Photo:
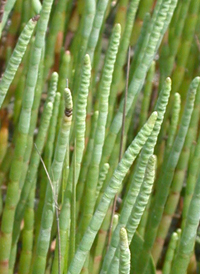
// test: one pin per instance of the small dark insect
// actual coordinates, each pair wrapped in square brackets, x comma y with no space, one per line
[68,112]
[36,18]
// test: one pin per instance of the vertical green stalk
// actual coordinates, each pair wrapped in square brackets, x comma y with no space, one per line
[16,58]
[120,17]
[26,11]
[144,7]
[32,171]
[36,5]
[191,180]
[33,123]
[147,95]
[15,24]
[86,27]
[55,173]
[137,179]
[12,197]
[63,77]
[100,246]
[56,25]
[102,177]
[137,80]
[101,242]
[104,89]
[80,126]
[188,236]
[72,243]
[173,125]
[167,62]
[18,99]
[113,162]
[141,45]
[170,253]
[27,235]
[113,187]
[185,44]
[97,25]
[166,179]
[138,207]
[50,98]
[85,164]
[48,154]
[81,106]
[121,57]
[170,13]
[177,183]
[125,256]
[79,145]
[142,225]
[142,198]
[4,169]
[7,9]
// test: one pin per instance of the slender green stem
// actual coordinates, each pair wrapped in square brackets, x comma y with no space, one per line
[138,207]
[49,205]
[16,58]
[170,254]
[7,9]
[109,194]
[188,236]
[125,256]
[93,172]
[165,181]
[27,235]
